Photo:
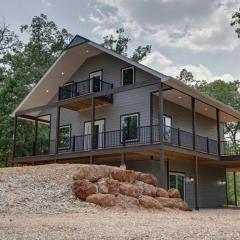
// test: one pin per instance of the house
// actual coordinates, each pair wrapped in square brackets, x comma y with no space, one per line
[103,108]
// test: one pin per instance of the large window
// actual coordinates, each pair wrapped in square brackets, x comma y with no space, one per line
[128,76]
[129,127]
[64,141]
[167,121]
[67,90]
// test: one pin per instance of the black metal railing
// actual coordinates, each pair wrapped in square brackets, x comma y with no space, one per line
[230,148]
[75,89]
[119,138]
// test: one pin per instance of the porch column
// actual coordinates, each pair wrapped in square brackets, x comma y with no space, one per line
[163,183]
[35,137]
[57,128]
[235,188]
[193,123]
[14,136]
[92,127]
[196,182]
[218,132]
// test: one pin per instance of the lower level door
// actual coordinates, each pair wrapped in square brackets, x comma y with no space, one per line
[98,135]
[177,180]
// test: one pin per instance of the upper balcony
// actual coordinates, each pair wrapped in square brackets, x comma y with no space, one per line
[82,88]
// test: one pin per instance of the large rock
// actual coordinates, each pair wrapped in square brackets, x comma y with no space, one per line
[129,190]
[147,178]
[104,200]
[174,193]
[146,189]
[126,201]
[162,193]
[124,175]
[92,172]
[83,188]
[149,202]
[108,185]
[172,203]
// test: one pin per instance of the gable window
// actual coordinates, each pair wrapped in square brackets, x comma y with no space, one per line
[64,141]
[128,76]
[129,127]
[67,90]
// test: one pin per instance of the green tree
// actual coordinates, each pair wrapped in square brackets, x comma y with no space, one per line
[186,77]
[119,44]
[236,22]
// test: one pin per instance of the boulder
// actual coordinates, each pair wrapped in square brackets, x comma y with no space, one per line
[146,189]
[174,193]
[83,188]
[126,201]
[173,203]
[147,178]
[108,185]
[104,200]
[129,190]
[149,202]
[162,193]
[124,175]
[92,172]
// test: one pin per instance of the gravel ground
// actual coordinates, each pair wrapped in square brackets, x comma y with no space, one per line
[37,203]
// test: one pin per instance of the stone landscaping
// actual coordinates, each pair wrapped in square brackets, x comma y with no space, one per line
[111,186]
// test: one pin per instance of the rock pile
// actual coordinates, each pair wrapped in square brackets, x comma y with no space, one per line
[111,186]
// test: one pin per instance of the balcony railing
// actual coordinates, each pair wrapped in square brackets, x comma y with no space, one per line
[75,89]
[230,148]
[146,135]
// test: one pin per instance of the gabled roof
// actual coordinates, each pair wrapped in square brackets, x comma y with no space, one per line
[76,52]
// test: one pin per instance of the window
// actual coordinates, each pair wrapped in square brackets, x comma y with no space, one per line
[128,76]
[96,81]
[177,180]
[64,141]
[129,127]
[167,121]
[67,90]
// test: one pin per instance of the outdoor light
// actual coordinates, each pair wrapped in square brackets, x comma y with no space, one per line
[205,109]
[222,182]
[190,179]
[47,91]
[62,73]
[87,51]
[179,97]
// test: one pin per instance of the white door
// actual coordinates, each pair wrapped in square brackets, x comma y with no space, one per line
[95,81]
[177,180]
[98,135]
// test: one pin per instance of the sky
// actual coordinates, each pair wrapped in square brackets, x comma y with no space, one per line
[191,34]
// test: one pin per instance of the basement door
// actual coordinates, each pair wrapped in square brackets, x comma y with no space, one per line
[177,180]
[98,135]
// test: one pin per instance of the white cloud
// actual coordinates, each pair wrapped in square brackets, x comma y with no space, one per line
[192,24]
[47,3]
[82,19]
[163,64]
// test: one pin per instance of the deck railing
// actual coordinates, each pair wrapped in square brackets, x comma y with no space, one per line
[230,148]
[74,89]
[118,138]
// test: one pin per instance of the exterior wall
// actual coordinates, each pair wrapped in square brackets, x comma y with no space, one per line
[211,193]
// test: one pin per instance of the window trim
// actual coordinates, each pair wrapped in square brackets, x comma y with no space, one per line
[91,85]
[70,136]
[138,126]
[125,68]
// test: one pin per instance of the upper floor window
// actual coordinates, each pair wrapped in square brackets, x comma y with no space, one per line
[129,127]
[64,141]
[67,90]
[128,76]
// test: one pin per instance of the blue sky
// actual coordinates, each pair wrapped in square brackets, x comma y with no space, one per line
[194,34]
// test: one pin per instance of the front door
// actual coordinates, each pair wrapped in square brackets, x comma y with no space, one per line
[95,81]
[177,180]
[98,135]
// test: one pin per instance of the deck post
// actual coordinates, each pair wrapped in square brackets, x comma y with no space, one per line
[193,123]
[151,118]
[218,132]
[196,183]
[14,136]
[162,181]
[57,129]
[92,127]
[235,188]
[34,152]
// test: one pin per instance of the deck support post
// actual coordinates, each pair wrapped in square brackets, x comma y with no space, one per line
[151,118]
[193,123]
[162,182]
[92,127]
[235,188]
[196,183]
[218,132]
[34,152]
[57,129]
[14,136]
